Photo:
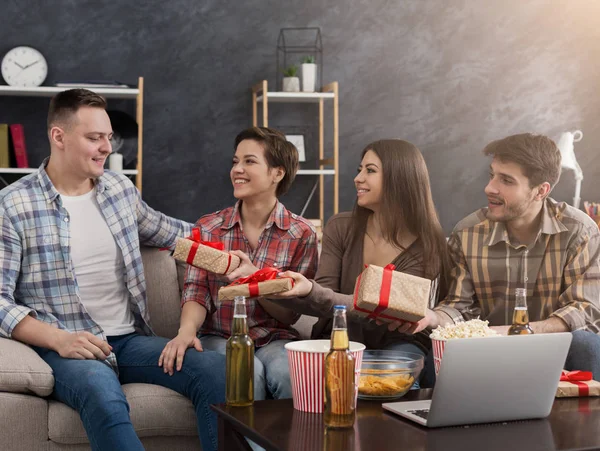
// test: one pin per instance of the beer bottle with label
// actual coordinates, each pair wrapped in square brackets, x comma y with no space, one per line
[340,396]
[239,382]
[520,325]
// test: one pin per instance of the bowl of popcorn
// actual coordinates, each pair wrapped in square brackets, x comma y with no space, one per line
[388,375]
[467,329]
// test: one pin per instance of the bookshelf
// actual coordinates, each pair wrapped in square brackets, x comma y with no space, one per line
[30,170]
[136,94]
[262,96]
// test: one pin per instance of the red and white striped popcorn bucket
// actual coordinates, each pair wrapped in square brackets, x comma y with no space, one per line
[306,359]
[438,352]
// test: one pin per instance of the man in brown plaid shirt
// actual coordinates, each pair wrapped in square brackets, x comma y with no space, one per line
[524,239]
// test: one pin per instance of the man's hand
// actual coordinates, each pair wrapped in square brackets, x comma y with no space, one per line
[405,327]
[302,286]
[245,269]
[81,346]
[174,351]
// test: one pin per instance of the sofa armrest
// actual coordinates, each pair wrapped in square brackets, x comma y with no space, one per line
[22,370]
[304,326]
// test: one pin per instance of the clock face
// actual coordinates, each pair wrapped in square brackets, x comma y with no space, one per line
[24,66]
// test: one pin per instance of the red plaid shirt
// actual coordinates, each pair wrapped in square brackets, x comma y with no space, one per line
[289,242]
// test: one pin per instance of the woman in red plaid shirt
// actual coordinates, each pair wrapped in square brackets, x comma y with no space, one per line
[263,233]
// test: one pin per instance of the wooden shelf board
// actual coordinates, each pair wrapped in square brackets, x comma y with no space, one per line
[316,172]
[49,91]
[30,170]
[300,97]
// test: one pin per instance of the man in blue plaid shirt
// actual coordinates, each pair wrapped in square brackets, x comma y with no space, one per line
[72,283]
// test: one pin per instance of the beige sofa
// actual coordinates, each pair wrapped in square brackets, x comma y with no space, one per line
[162,418]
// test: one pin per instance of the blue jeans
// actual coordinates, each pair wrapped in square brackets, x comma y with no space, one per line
[271,370]
[94,389]
[405,346]
[584,353]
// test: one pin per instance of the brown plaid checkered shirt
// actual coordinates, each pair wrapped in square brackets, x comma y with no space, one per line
[289,242]
[562,266]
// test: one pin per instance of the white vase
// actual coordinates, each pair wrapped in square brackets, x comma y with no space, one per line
[291,84]
[115,162]
[309,75]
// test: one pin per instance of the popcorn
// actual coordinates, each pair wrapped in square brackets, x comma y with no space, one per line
[467,329]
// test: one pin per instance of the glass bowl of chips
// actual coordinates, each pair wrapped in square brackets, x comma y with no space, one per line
[386,375]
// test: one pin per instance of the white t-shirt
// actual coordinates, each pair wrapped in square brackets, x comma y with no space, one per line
[98,265]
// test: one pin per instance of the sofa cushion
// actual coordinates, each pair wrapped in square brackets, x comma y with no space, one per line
[22,370]
[24,420]
[304,326]
[162,288]
[155,411]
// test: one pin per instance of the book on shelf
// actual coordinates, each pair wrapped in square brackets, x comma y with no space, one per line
[92,84]
[4,154]
[18,140]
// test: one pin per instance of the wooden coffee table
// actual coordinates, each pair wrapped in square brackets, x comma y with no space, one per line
[574,424]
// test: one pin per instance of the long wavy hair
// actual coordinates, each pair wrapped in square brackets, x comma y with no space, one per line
[408,204]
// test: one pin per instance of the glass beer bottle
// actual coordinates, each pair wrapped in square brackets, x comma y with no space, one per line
[520,325]
[239,382]
[338,439]
[340,399]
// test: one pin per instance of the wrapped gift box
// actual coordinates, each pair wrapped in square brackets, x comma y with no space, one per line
[577,383]
[206,255]
[390,295]
[261,283]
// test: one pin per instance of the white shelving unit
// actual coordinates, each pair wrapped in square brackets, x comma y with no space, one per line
[49,91]
[297,97]
[30,170]
[262,96]
[136,94]
[315,172]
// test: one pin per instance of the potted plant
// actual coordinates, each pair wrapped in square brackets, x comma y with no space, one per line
[309,73]
[291,82]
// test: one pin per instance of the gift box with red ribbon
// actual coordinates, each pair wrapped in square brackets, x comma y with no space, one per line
[207,255]
[261,283]
[388,295]
[577,383]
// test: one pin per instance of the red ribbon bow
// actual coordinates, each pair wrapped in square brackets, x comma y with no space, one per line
[577,378]
[196,237]
[384,294]
[252,280]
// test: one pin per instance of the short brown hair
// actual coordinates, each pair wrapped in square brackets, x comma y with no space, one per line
[538,156]
[65,104]
[279,152]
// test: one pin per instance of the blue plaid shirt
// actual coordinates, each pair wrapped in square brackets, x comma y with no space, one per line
[37,275]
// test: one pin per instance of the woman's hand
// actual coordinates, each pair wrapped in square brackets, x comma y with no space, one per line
[302,286]
[407,327]
[245,269]
[174,351]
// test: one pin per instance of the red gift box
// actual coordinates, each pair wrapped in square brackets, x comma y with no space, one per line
[208,255]
[577,383]
[388,295]
[262,282]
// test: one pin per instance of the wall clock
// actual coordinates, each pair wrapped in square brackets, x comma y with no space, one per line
[24,67]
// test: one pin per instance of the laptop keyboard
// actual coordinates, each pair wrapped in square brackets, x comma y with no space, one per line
[423,413]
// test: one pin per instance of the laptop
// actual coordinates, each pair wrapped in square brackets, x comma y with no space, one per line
[491,379]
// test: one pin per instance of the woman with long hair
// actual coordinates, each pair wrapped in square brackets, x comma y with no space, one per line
[394,221]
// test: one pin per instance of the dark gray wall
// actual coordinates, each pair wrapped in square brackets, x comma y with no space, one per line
[448,76]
